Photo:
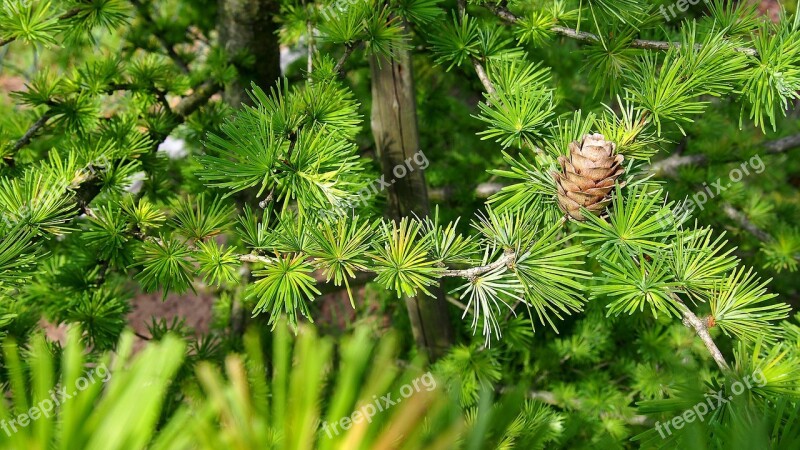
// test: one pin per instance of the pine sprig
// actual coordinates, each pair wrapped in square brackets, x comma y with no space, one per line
[635,225]
[741,306]
[401,259]
[636,284]
[198,221]
[552,282]
[284,286]
[217,264]
[340,250]
[486,292]
[166,265]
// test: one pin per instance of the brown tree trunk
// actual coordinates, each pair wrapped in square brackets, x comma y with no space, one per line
[394,125]
[247,27]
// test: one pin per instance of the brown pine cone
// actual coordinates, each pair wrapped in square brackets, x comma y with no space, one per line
[588,176]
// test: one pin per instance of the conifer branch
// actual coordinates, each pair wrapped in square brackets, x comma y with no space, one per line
[482,75]
[67,15]
[700,327]
[253,258]
[741,219]
[550,398]
[248,257]
[668,166]
[26,138]
[173,55]
[508,259]
[783,144]
[348,50]
[508,17]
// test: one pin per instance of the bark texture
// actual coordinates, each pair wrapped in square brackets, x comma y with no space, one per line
[247,27]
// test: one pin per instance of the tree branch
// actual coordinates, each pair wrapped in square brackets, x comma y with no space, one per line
[508,259]
[482,75]
[348,50]
[740,218]
[26,138]
[701,328]
[196,99]
[668,166]
[69,14]
[509,17]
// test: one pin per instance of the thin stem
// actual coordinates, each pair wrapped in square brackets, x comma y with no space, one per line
[508,259]
[476,63]
[740,218]
[483,76]
[700,327]
[348,50]
[196,99]
[310,62]
[508,17]
[26,138]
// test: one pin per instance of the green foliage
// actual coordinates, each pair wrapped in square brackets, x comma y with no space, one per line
[341,251]
[740,307]
[124,169]
[165,265]
[401,263]
[284,283]
[217,264]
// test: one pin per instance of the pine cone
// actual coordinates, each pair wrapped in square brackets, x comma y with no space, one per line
[587,178]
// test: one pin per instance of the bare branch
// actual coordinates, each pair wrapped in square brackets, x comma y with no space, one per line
[740,218]
[196,99]
[783,144]
[26,138]
[484,77]
[701,328]
[668,166]
[348,50]
[251,258]
[508,259]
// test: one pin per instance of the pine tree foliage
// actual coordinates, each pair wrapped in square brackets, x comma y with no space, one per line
[246,403]
[276,198]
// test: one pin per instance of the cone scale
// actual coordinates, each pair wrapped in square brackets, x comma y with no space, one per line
[587,176]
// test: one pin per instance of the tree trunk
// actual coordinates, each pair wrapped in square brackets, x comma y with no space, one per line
[247,27]
[394,125]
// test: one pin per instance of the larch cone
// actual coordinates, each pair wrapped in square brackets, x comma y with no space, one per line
[587,176]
